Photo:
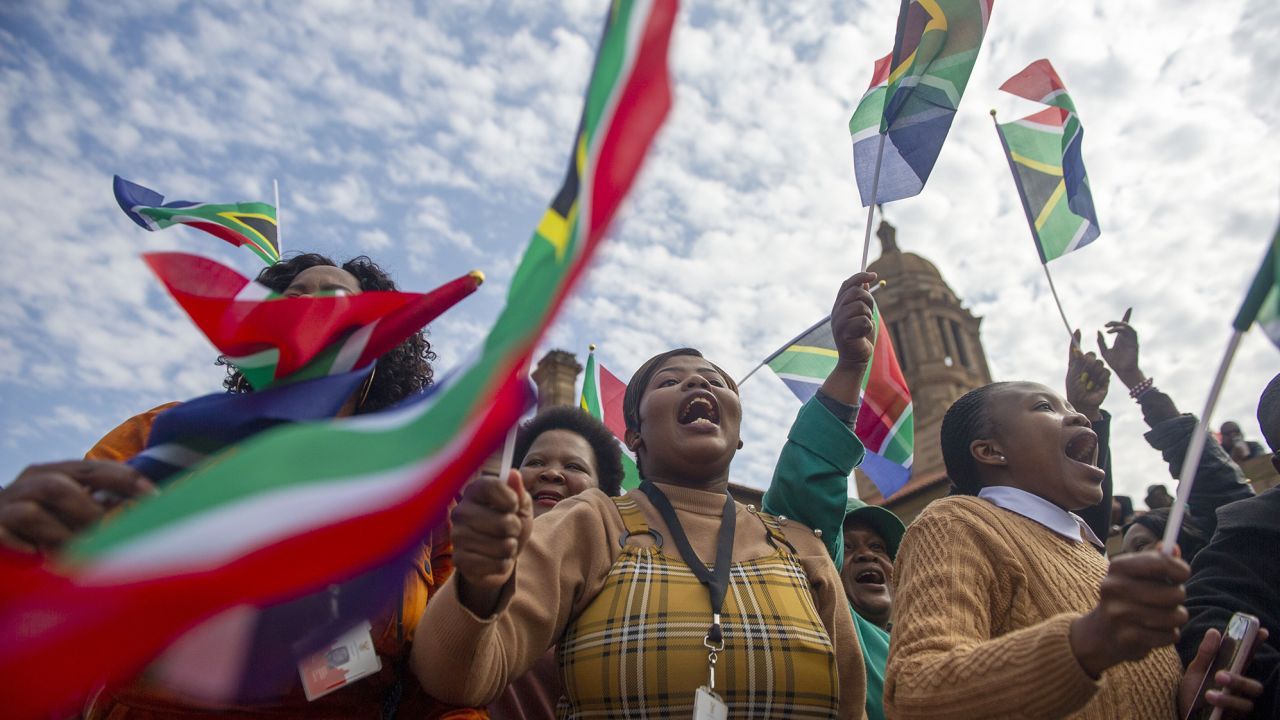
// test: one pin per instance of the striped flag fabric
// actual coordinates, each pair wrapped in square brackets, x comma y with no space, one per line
[885,422]
[1262,302]
[247,224]
[270,338]
[294,509]
[602,394]
[902,121]
[1044,154]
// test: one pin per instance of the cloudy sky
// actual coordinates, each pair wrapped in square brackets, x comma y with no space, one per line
[431,136]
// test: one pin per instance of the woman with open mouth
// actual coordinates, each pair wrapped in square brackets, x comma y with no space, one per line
[1006,608]
[669,598]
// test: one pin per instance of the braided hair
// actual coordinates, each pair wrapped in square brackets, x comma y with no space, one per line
[967,419]
[402,371]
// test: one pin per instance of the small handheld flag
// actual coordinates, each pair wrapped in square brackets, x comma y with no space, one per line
[246,224]
[270,338]
[1261,304]
[885,418]
[1044,154]
[602,394]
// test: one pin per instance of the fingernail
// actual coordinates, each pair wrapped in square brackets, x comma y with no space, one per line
[1223,677]
[1212,695]
[145,487]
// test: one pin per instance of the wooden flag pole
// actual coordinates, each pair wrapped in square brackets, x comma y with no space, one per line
[1195,449]
[1057,301]
[871,208]
[279,236]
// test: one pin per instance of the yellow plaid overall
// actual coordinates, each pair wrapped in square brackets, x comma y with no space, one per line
[636,650]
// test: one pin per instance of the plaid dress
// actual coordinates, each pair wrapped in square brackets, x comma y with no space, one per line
[636,650]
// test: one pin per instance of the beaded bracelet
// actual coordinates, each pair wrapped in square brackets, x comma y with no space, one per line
[1142,388]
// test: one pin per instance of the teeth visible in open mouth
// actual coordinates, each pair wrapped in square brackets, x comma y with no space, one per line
[870,576]
[700,410]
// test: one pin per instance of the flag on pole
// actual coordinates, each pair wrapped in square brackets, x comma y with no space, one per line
[1262,303]
[602,394]
[246,224]
[294,509]
[270,338]
[1044,153]
[885,422]
[903,119]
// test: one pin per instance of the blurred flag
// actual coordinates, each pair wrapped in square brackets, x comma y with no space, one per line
[1262,303]
[903,118]
[270,338]
[247,224]
[602,394]
[885,422]
[1044,153]
[295,509]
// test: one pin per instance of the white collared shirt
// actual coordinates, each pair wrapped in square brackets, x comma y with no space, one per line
[1035,508]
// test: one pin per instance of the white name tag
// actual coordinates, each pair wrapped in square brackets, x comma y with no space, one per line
[707,705]
[350,658]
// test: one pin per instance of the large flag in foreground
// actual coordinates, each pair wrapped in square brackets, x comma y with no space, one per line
[246,224]
[1262,303]
[295,509]
[885,422]
[269,337]
[1044,153]
[903,119]
[602,394]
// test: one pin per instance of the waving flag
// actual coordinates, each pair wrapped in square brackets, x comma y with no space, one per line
[270,338]
[1262,303]
[1044,153]
[902,120]
[297,508]
[885,419]
[247,224]
[602,394]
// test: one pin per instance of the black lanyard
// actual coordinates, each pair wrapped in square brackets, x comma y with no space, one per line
[717,582]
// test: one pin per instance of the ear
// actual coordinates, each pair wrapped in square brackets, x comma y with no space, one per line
[988,452]
[632,440]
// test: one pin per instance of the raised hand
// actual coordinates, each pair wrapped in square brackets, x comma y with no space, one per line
[1087,380]
[491,524]
[1140,608]
[853,329]
[1122,356]
[47,505]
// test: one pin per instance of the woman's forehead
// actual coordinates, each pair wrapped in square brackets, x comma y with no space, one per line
[326,274]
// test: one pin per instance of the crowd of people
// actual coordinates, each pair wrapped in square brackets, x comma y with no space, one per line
[551,592]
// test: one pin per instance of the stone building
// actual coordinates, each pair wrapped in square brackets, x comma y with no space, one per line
[940,351]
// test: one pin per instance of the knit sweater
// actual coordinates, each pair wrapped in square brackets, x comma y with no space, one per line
[982,618]
[468,660]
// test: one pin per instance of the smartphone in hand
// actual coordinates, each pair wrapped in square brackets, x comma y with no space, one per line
[1234,654]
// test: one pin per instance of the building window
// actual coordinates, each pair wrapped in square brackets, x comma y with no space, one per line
[961,355]
[899,340]
[944,335]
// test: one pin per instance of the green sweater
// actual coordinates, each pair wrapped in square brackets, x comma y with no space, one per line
[810,485]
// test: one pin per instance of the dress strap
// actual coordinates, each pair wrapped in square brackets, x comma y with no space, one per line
[777,537]
[633,520]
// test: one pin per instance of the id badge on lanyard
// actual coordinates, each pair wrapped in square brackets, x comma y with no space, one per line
[707,704]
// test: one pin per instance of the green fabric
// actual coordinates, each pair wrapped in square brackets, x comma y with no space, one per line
[811,485]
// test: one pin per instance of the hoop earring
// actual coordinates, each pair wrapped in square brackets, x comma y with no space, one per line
[364,393]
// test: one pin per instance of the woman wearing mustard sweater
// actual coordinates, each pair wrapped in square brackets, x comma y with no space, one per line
[1005,608]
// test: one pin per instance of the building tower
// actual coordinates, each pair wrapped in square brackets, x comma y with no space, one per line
[941,354]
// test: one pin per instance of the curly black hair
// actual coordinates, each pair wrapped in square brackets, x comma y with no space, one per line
[966,420]
[576,420]
[402,371]
[1269,413]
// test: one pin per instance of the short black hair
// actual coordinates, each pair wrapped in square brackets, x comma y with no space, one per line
[966,420]
[1269,413]
[640,380]
[400,372]
[576,420]
[1191,536]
